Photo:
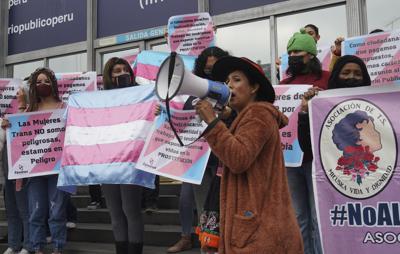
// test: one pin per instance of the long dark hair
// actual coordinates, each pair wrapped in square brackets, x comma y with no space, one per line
[201,60]
[107,77]
[313,66]
[34,99]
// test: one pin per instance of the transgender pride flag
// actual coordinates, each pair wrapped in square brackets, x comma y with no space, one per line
[105,134]
[148,63]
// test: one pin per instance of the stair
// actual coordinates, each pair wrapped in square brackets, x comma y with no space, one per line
[93,233]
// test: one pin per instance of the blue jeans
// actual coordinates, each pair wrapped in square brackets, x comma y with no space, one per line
[17,216]
[302,193]
[46,201]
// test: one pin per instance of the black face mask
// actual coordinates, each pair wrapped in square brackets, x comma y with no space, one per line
[352,82]
[123,80]
[296,64]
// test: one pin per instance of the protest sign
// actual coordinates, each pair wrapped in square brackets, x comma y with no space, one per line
[380,52]
[324,56]
[8,95]
[190,34]
[355,134]
[288,100]
[35,143]
[105,134]
[163,155]
[69,83]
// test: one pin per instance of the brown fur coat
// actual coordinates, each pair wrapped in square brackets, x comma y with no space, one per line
[256,211]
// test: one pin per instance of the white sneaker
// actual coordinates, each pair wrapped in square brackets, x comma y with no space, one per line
[9,251]
[24,251]
[71,225]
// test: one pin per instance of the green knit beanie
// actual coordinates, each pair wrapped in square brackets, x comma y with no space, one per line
[302,41]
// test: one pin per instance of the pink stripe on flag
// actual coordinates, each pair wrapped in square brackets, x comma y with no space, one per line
[17,141]
[102,153]
[178,168]
[147,71]
[40,167]
[89,117]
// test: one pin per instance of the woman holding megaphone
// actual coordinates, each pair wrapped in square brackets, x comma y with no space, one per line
[255,209]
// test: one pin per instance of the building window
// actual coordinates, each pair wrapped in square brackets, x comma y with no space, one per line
[126,54]
[330,21]
[251,40]
[70,63]
[23,70]
[383,14]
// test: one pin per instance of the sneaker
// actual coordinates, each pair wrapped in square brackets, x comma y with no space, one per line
[93,205]
[185,243]
[24,251]
[71,225]
[151,209]
[10,251]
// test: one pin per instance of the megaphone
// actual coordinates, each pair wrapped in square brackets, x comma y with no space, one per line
[184,82]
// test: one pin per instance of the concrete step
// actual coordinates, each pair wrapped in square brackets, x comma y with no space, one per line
[159,217]
[155,235]
[164,201]
[103,248]
[166,188]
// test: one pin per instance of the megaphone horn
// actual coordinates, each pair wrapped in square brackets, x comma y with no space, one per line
[183,82]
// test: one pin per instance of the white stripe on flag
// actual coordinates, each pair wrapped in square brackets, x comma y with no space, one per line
[86,136]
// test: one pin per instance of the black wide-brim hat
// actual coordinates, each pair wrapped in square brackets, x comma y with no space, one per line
[226,65]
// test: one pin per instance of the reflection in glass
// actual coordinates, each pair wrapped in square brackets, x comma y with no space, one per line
[25,69]
[330,21]
[383,14]
[70,63]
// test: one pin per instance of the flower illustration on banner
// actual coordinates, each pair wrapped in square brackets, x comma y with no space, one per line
[356,136]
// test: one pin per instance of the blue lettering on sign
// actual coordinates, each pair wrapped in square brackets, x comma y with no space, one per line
[383,215]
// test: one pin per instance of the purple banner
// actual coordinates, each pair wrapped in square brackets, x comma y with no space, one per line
[356,176]
[223,6]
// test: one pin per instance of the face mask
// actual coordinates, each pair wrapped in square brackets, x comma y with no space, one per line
[296,64]
[347,83]
[123,80]
[43,90]
[208,72]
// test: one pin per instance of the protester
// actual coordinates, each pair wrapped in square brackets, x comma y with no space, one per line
[45,200]
[304,68]
[202,68]
[349,71]
[123,200]
[256,213]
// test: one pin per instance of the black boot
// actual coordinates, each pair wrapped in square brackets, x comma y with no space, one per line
[121,247]
[135,248]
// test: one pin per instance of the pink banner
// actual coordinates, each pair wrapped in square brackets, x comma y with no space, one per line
[190,34]
[8,95]
[34,143]
[69,83]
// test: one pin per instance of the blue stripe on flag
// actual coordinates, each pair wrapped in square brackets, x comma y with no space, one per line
[156,58]
[113,173]
[112,98]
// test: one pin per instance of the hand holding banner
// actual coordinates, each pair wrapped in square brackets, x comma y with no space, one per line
[34,143]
